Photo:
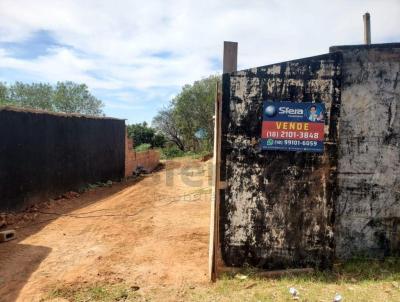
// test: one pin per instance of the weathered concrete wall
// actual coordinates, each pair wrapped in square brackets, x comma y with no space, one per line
[43,155]
[286,209]
[368,204]
[277,209]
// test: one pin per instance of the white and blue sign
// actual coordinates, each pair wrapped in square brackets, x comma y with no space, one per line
[290,126]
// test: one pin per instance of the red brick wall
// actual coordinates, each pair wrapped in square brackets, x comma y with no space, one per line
[148,160]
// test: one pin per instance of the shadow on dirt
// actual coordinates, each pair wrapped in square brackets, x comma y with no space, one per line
[19,261]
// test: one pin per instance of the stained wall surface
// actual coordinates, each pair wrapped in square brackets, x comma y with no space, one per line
[43,155]
[368,201]
[277,210]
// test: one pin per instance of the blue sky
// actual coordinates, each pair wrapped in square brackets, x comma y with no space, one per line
[135,55]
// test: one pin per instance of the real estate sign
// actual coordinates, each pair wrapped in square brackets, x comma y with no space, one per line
[290,126]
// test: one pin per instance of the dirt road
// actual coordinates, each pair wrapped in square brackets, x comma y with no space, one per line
[151,232]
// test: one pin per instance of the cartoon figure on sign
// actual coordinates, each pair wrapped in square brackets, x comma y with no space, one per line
[315,114]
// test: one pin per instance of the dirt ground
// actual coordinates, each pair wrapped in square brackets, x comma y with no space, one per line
[151,232]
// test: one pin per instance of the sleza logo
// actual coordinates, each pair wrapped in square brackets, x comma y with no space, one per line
[287,110]
[271,111]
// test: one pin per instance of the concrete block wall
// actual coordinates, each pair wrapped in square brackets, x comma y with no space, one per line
[147,160]
[277,209]
[292,209]
[368,201]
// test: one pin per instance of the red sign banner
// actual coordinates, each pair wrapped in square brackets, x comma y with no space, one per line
[292,130]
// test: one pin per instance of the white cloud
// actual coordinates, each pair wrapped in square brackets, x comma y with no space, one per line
[111,44]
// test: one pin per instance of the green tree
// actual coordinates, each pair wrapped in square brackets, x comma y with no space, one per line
[70,97]
[3,94]
[166,123]
[188,122]
[67,97]
[141,134]
[159,140]
[35,95]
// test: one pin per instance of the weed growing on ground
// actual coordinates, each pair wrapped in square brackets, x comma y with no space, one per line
[356,280]
[94,292]
[173,152]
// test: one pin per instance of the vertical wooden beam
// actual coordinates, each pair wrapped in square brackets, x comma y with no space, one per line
[230,57]
[229,65]
[214,220]
[367,28]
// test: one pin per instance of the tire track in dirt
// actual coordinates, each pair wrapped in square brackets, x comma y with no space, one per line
[147,233]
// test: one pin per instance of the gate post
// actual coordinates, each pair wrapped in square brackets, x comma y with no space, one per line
[229,65]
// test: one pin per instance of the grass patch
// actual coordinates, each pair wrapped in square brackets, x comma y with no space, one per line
[356,280]
[174,152]
[197,155]
[94,292]
[171,152]
[143,147]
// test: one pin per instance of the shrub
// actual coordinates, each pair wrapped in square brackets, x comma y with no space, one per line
[143,147]
[171,152]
